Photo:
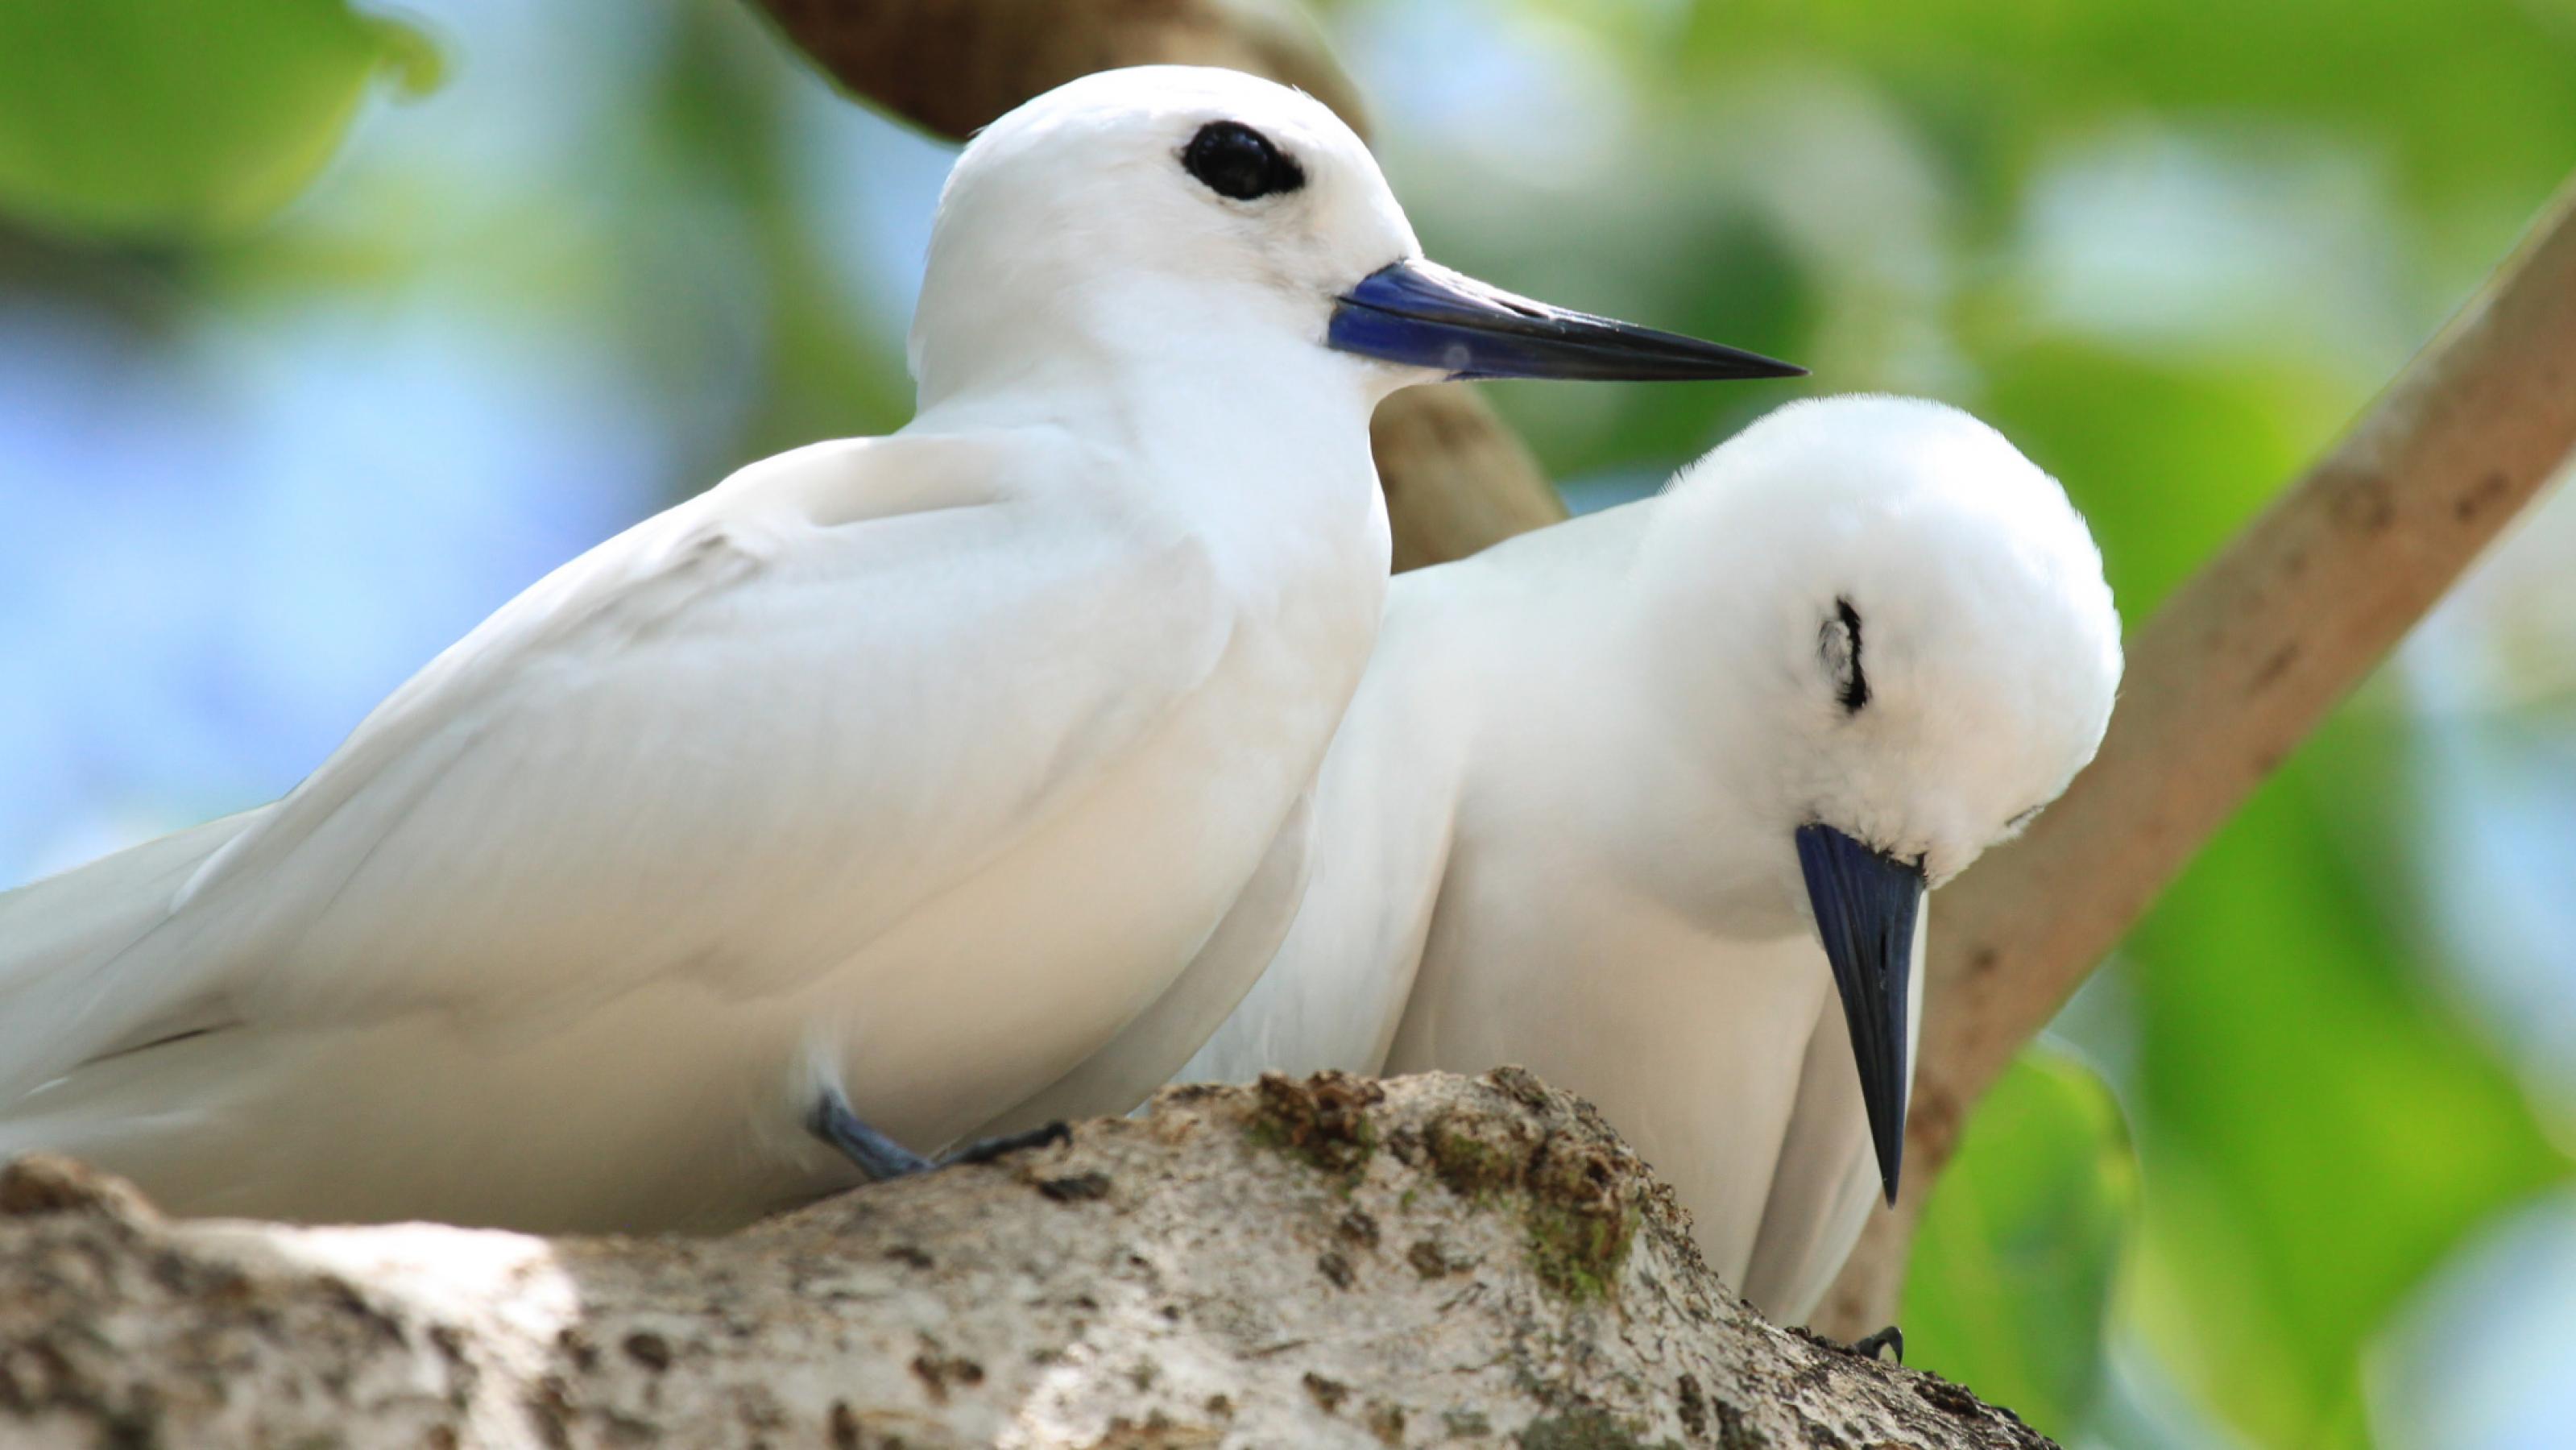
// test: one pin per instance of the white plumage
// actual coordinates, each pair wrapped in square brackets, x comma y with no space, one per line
[1557,826]
[911,765]
[905,769]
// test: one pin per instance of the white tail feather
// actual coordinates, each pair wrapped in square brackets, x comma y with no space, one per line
[59,936]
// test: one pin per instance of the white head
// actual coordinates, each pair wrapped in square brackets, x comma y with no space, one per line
[1896,623]
[1895,631]
[1206,219]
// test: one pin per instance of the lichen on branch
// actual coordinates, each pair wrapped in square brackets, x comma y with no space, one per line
[1432,1260]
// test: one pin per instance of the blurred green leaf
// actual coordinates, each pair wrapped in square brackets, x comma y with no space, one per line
[2318,1129]
[2460,97]
[178,119]
[2013,1267]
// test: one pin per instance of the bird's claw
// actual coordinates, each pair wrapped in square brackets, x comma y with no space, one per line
[985,1150]
[1869,1345]
[881,1157]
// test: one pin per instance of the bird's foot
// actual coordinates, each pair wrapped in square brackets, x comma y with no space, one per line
[1868,1346]
[881,1157]
[985,1150]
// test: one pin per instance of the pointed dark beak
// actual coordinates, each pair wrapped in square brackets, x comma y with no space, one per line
[1424,315]
[1866,903]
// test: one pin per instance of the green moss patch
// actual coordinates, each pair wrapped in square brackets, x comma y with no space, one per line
[1322,1122]
[1577,1198]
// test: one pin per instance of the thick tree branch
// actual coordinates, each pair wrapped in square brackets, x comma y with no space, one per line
[1456,477]
[2236,669]
[1440,1261]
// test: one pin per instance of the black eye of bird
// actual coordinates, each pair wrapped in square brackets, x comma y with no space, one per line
[1237,161]
[1842,653]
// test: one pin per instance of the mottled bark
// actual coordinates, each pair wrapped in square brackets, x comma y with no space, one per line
[1456,477]
[1436,1261]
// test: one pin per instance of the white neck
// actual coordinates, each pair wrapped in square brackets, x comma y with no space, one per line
[1259,440]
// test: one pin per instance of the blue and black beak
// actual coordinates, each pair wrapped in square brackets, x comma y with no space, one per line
[1422,314]
[1866,905]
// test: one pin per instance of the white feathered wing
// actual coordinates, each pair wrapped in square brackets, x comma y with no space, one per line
[682,779]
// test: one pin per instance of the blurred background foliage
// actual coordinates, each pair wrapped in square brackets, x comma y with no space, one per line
[323,331]
[179,120]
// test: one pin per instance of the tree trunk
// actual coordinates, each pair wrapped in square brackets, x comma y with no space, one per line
[1435,1260]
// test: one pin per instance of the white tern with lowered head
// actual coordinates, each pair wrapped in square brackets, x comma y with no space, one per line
[847,803]
[1648,802]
